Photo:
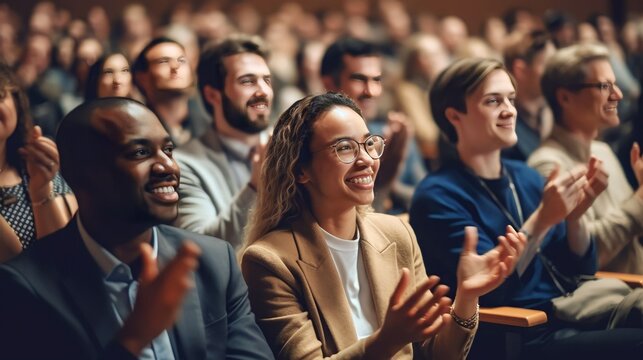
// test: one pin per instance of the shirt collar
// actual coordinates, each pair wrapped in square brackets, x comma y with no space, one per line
[236,148]
[105,260]
[574,146]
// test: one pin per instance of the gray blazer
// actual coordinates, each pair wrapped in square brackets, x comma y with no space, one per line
[211,201]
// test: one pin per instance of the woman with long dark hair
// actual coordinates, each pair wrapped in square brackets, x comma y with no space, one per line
[34,199]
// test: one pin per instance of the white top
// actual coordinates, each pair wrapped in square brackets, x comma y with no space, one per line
[350,266]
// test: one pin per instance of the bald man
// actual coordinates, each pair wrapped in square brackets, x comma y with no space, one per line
[94,289]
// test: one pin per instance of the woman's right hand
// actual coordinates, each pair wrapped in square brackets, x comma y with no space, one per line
[416,318]
[42,162]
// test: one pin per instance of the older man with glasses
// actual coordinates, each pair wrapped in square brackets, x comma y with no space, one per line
[580,87]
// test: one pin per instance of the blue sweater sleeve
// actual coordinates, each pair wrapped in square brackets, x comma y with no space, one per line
[438,216]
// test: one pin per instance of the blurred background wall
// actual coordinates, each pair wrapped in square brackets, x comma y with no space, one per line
[472,11]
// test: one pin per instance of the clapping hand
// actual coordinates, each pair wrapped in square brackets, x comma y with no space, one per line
[160,295]
[562,194]
[415,318]
[480,274]
[597,181]
[397,133]
[42,162]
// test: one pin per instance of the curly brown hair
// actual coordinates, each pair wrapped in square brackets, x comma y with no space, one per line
[281,199]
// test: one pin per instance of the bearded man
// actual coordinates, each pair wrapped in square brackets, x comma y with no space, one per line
[221,168]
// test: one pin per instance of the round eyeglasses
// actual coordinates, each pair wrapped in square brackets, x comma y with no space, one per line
[347,150]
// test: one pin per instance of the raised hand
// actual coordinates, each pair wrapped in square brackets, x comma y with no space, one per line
[597,181]
[637,162]
[257,159]
[562,194]
[159,297]
[42,162]
[397,133]
[480,274]
[416,318]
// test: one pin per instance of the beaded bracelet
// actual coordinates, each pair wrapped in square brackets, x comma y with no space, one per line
[469,323]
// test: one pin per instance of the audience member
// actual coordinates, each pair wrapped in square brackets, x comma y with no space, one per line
[472,102]
[424,58]
[109,76]
[354,67]
[581,88]
[34,200]
[327,277]
[525,57]
[87,52]
[75,294]
[163,75]
[221,169]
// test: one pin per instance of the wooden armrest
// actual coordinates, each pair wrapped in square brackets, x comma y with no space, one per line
[513,316]
[633,280]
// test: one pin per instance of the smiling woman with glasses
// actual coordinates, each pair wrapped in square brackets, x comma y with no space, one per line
[326,276]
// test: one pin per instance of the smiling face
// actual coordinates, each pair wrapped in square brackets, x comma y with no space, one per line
[115,78]
[331,184]
[490,118]
[138,179]
[591,109]
[247,94]
[361,80]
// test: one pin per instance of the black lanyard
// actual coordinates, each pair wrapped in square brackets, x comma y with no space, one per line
[517,225]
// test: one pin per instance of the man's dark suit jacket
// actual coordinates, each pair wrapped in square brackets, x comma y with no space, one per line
[54,305]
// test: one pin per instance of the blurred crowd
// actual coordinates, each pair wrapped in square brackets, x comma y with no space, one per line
[52,52]
[262,118]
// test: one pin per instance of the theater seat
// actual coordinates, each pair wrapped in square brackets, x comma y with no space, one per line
[500,332]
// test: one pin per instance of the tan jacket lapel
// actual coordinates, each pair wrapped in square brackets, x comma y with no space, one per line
[323,280]
[380,262]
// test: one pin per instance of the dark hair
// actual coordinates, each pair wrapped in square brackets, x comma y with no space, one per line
[211,70]
[525,47]
[510,17]
[79,140]
[141,64]
[454,84]
[9,82]
[332,63]
[94,74]
[555,20]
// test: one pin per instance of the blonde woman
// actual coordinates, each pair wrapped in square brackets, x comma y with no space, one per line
[326,277]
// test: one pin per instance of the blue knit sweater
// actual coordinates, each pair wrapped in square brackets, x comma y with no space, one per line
[452,198]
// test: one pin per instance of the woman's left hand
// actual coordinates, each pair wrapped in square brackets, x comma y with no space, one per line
[42,161]
[480,274]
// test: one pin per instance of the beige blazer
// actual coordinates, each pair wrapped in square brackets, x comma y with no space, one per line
[298,298]
[615,218]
